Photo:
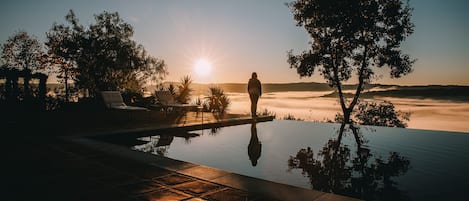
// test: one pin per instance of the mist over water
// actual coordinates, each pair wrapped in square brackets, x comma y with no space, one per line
[426,114]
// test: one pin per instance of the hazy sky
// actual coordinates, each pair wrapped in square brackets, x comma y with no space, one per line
[240,36]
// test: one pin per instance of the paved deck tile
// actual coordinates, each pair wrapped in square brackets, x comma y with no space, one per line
[173,179]
[229,194]
[204,172]
[195,199]
[167,195]
[197,187]
[141,187]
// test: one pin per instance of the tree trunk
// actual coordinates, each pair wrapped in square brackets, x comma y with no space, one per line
[361,82]
[339,88]
[339,139]
[347,112]
[357,137]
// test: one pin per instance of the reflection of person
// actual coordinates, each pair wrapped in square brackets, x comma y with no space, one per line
[255,91]
[254,147]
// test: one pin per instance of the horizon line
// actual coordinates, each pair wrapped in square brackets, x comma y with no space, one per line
[221,83]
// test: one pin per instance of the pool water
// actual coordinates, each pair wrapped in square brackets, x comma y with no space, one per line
[390,164]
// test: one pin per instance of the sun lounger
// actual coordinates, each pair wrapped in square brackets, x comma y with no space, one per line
[166,100]
[113,100]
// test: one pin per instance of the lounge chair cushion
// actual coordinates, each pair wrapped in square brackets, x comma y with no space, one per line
[166,99]
[113,100]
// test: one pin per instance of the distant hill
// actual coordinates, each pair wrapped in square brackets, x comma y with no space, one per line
[438,92]
[278,87]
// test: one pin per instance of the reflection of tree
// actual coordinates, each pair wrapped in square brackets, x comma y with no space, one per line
[159,144]
[336,170]
[214,130]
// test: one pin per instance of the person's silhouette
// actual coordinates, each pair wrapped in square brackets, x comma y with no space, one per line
[254,147]
[255,91]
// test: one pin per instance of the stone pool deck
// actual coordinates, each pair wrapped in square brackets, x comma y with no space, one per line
[75,167]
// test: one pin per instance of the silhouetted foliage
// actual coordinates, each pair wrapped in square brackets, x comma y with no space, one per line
[105,55]
[23,57]
[62,54]
[352,36]
[184,90]
[382,114]
[266,112]
[291,117]
[23,52]
[335,169]
[217,100]
[377,114]
[181,93]
[172,89]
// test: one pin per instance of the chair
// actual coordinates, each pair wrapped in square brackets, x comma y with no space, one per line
[113,100]
[166,100]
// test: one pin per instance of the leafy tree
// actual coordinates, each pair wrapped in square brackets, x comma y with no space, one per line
[62,53]
[105,55]
[352,36]
[23,52]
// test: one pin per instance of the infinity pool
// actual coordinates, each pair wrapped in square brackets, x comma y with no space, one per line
[389,164]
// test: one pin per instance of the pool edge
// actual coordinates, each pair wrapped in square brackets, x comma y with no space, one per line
[258,186]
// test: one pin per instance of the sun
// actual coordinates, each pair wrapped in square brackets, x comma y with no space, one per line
[202,67]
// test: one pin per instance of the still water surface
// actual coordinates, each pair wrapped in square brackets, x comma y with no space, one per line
[391,164]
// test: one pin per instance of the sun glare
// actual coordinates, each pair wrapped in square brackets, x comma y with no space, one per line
[202,67]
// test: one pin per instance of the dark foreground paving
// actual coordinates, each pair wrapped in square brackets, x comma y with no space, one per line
[48,168]
[47,164]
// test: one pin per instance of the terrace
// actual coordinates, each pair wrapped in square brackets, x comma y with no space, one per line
[63,164]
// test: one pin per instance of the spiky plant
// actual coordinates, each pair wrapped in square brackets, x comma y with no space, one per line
[184,90]
[217,100]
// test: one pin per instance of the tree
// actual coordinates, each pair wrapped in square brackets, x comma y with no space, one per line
[105,55]
[352,36]
[62,53]
[23,52]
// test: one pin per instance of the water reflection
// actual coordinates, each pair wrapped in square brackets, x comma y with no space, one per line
[159,144]
[255,146]
[337,169]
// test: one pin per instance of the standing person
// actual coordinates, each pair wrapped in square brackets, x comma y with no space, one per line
[255,91]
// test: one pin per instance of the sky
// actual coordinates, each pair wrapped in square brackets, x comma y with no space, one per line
[225,41]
